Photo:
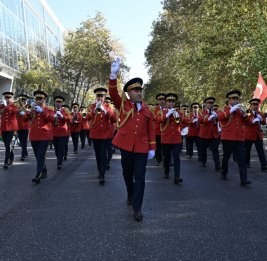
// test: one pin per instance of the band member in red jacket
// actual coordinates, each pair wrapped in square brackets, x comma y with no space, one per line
[135,136]
[254,133]
[102,118]
[23,126]
[171,139]
[232,121]
[60,129]
[75,126]
[193,131]
[66,149]
[208,133]
[84,126]
[8,112]
[161,99]
[40,118]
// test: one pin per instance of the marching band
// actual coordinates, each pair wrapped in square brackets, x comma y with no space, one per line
[139,131]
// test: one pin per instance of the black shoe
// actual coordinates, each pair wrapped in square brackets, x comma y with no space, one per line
[218,168]
[65,157]
[82,146]
[107,167]
[245,182]
[59,167]
[138,215]
[224,177]
[36,180]
[247,166]
[10,162]
[203,164]
[75,152]
[189,156]
[5,166]
[22,159]
[171,164]
[264,167]
[101,181]
[178,180]
[129,201]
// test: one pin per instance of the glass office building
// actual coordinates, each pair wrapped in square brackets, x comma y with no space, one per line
[27,28]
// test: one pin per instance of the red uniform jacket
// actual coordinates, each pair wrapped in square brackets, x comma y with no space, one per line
[22,123]
[208,129]
[75,126]
[40,124]
[61,129]
[102,125]
[194,127]
[253,131]
[85,122]
[8,118]
[232,124]
[170,128]
[157,110]
[135,128]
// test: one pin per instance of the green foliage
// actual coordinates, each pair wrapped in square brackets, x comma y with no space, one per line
[210,47]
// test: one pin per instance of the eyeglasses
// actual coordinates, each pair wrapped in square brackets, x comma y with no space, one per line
[38,98]
[7,97]
[100,95]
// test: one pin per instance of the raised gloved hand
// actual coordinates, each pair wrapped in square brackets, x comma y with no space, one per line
[177,115]
[256,120]
[234,108]
[22,113]
[170,112]
[195,120]
[215,114]
[211,117]
[259,116]
[5,103]
[38,108]
[151,154]
[59,114]
[115,67]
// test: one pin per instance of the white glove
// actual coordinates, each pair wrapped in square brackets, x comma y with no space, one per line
[22,113]
[215,114]
[59,114]
[151,154]
[211,117]
[234,108]
[38,108]
[195,120]
[105,111]
[177,115]
[55,115]
[256,120]
[4,103]
[259,116]
[115,67]
[170,112]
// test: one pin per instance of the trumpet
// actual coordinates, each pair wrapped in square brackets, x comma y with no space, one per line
[84,114]
[98,107]
[176,116]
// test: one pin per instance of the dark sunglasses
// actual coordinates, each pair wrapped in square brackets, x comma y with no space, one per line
[38,98]
[8,97]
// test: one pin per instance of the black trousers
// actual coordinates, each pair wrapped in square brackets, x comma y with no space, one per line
[101,148]
[7,138]
[66,146]
[109,150]
[158,152]
[134,172]
[60,144]
[172,151]
[23,139]
[214,144]
[39,148]
[191,141]
[83,135]
[259,148]
[75,140]
[229,146]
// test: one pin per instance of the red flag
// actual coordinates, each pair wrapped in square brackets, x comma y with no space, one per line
[261,89]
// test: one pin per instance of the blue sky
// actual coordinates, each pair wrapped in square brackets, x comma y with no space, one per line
[129,20]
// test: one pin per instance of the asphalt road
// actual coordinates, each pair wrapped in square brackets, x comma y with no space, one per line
[69,216]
